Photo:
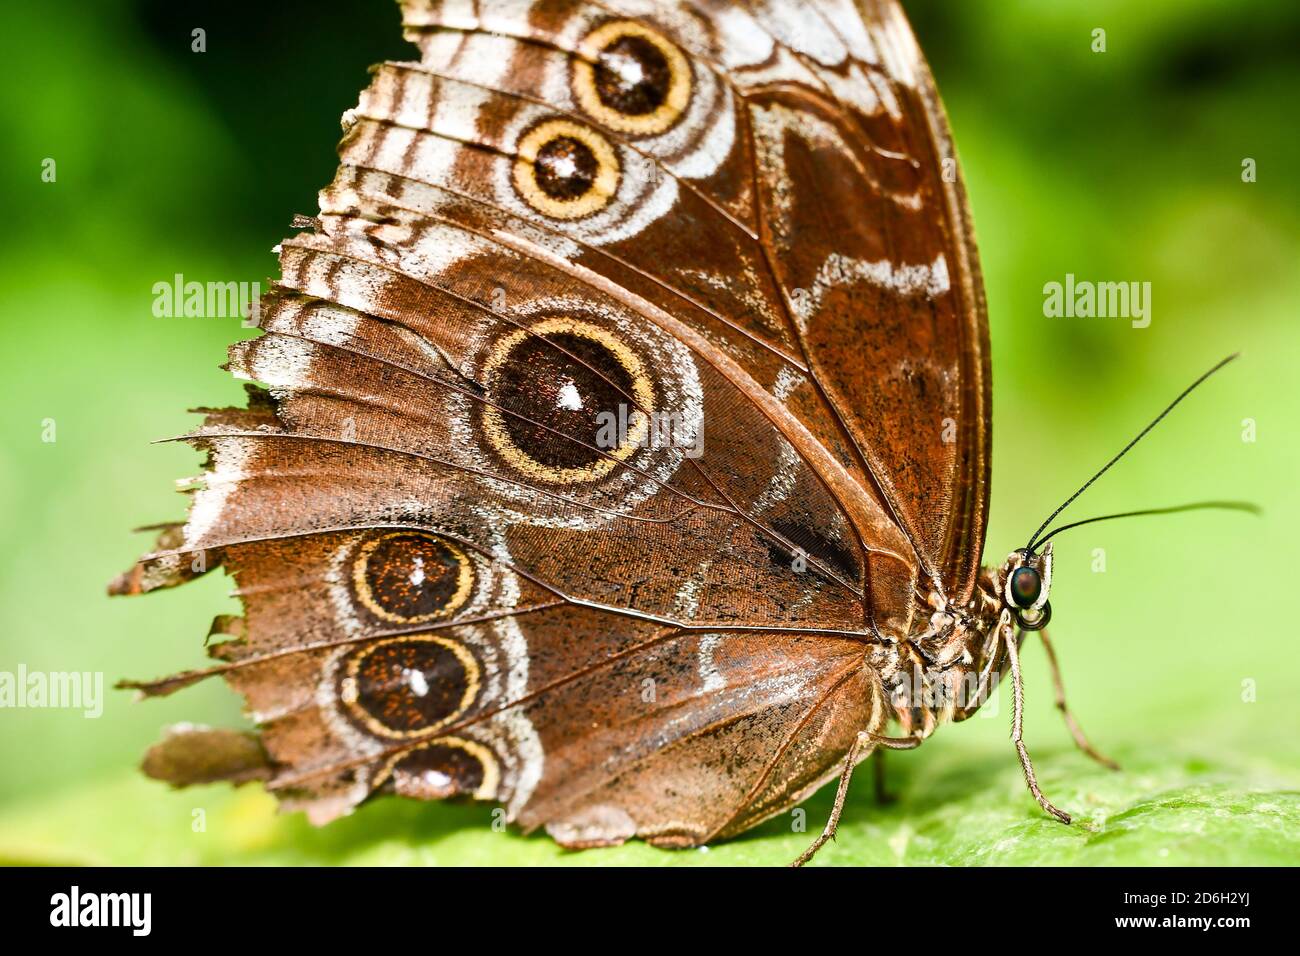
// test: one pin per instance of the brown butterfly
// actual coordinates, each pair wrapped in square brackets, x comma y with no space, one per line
[619,451]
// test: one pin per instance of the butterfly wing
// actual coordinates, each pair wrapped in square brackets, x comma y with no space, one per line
[549,492]
[870,235]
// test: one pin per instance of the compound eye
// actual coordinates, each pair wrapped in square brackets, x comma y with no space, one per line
[1026,586]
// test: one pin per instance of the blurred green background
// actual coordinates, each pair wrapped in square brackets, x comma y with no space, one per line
[1122,165]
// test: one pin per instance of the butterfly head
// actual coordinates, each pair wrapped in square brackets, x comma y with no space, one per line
[1026,583]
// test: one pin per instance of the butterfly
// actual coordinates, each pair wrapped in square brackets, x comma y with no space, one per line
[616,448]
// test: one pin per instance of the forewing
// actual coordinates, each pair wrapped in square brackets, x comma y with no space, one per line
[862,206]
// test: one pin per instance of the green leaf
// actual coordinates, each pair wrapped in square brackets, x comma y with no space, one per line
[954,807]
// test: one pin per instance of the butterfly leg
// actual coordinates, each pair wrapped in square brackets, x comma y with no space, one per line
[832,824]
[1080,739]
[863,738]
[883,796]
[1017,728]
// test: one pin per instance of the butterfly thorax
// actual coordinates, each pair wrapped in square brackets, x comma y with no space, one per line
[951,662]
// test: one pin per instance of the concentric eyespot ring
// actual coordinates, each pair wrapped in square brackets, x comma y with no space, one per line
[437,769]
[512,372]
[566,170]
[410,577]
[631,79]
[409,686]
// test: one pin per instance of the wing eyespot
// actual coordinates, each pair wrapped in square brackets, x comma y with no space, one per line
[631,79]
[567,382]
[409,686]
[411,577]
[565,170]
[443,767]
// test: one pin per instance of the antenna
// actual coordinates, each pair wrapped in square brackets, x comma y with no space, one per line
[1246,506]
[1034,541]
